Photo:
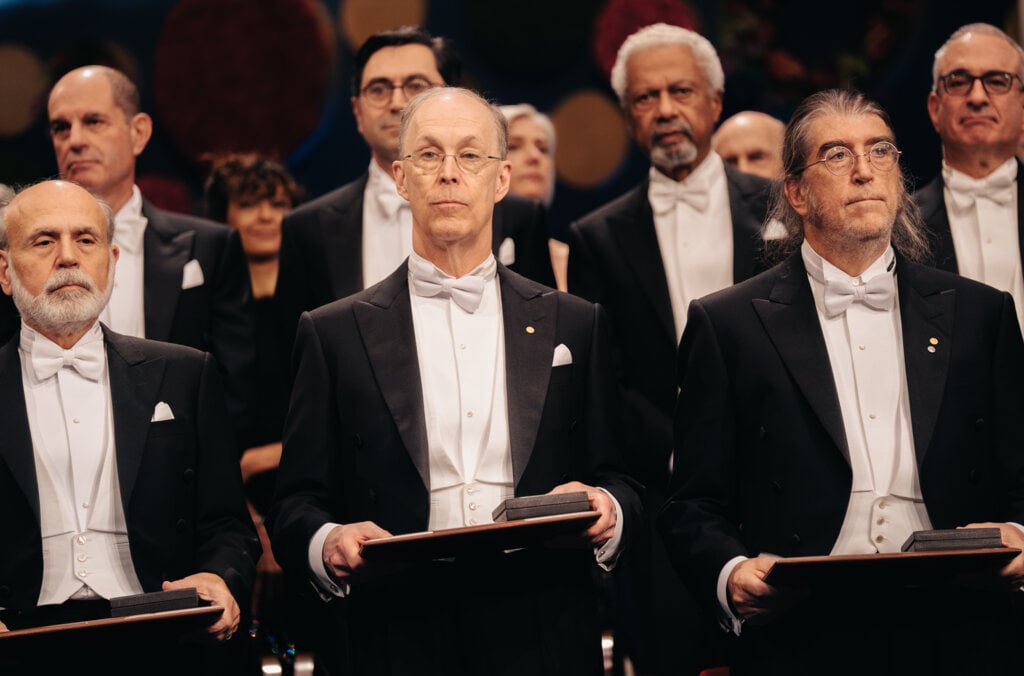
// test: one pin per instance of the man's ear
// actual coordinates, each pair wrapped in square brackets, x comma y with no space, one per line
[794,189]
[399,171]
[142,129]
[933,109]
[503,181]
[716,106]
[357,113]
[5,273]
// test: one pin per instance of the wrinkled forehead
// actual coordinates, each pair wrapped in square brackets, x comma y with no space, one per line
[454,119]
[91,91]
[54,208]
[399,62]
[980,52]
[851,131]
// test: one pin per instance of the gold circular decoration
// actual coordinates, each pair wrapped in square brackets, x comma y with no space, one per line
[22,89]
[592,139]
[359,19]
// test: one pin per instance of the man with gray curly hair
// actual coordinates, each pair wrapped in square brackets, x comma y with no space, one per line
[690,228]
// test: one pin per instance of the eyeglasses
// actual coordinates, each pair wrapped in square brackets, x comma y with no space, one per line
[839,160]
[430,161]
[379,92]
[960,82]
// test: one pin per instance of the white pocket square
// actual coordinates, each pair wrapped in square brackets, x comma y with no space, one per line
[507,251]
[562,356]
[162,412]
[192,275]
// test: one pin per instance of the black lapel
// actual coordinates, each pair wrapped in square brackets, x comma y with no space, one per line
[529,325]
[746,222]
[633,229]
[1020,208]
[16,437]
[385,324]
[926,316]
[134,388]
[791,322]
[932,201]
[166,250]
[343,240]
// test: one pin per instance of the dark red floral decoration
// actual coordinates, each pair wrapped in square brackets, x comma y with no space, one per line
[242,75]
[621,18]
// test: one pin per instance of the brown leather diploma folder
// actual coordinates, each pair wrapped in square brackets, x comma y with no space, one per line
[476,539]
[900,569]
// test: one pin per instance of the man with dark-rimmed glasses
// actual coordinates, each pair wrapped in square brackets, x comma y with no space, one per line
[973,206]
[354,236]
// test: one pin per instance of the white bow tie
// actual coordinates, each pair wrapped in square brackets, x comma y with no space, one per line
[878,292]
[48,358]
[467,291]
[997,186]
[664,196]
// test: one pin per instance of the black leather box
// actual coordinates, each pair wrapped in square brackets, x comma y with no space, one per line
[541,505]
[952,538]
[155,602]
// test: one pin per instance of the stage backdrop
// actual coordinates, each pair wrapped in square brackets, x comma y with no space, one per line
[273,75]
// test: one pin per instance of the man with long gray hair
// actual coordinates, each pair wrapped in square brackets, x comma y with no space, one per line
[837,403]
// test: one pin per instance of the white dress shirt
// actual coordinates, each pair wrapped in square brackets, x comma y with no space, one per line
[125,313]
[695,241]
[461,357]
[983,224]
[85,536]
[865,349]
[387,226]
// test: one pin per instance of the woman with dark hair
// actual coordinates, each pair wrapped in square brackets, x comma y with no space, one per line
[252,193]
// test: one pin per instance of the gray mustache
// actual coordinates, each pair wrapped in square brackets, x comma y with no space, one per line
[63,277]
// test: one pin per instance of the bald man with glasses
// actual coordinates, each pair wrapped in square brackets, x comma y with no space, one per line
[422,403]
[973,207]
[354,236]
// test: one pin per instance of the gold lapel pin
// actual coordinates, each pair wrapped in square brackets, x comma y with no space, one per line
[530,329]
[933,341]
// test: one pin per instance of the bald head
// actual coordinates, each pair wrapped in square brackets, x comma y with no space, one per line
[98,131]
[751,142]
[452,171]
[57,259]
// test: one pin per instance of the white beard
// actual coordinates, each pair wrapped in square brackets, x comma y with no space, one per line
[62,313]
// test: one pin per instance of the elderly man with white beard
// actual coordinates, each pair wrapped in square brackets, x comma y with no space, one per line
[117,470]
[690,228]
